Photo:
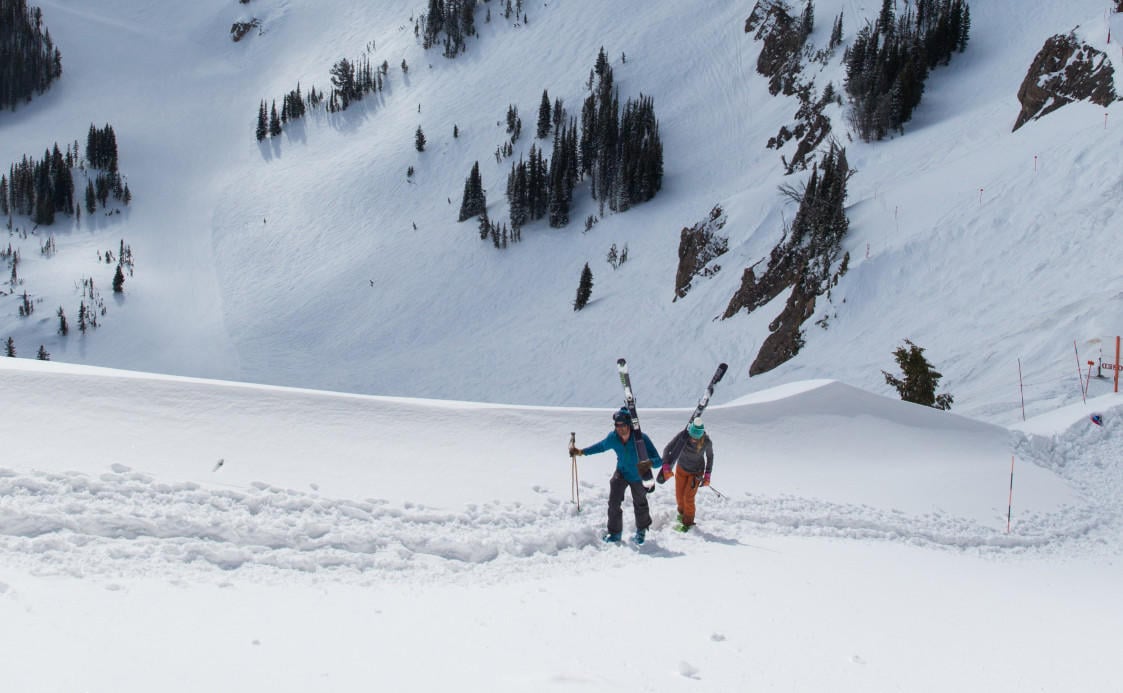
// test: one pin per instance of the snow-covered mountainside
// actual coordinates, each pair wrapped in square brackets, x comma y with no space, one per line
[313,259]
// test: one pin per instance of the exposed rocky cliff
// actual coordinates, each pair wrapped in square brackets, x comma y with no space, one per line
[1065,70]
[697,247]
[782,34]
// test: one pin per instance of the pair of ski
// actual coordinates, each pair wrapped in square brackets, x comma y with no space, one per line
[680,441]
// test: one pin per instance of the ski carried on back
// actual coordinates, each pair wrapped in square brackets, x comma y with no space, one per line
[680,442]
[642,454]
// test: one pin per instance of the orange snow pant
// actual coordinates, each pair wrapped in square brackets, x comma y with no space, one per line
[686,487]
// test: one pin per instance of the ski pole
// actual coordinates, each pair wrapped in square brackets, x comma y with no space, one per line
[574,489]
[719,493]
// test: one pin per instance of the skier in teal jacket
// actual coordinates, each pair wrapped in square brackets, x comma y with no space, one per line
[627,475]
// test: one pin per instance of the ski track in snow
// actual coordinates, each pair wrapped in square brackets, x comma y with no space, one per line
[125,523]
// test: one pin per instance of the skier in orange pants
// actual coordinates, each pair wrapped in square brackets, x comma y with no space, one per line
[695,464]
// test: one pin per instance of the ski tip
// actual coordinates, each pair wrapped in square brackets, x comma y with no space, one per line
[721,369]
[621,362]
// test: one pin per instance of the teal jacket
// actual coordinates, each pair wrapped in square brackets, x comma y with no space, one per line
[626,460]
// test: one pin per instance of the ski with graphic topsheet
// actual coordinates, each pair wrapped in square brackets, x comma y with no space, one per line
[679,442]
[637,435]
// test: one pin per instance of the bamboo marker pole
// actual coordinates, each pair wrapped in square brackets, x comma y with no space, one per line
[1079,375]
[1021,389]
[1010,502]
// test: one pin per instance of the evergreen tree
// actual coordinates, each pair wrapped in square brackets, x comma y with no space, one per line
[485,226]
[261,122]
[559,113]
[343,81]
[885,17]
[43,355]
[584,288]
[274,121]
[964,29]
[920,379]
[63,327]
[10,348]
[118,281]
[545,118]
[474,201]
[91,197]
[807,19]
[419,139]
[514,122]
[836,32]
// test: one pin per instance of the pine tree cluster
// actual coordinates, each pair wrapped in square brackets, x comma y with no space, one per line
[888,63]
[351,80]
[450,23]
[499,234]
[622,154]
[101,148]
[29,61]
[40,189]
[293,105]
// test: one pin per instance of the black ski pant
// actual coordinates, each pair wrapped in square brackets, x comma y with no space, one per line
[616,487]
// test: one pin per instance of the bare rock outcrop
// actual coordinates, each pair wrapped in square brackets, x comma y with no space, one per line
[697,247]
[783,35]
[1065,70]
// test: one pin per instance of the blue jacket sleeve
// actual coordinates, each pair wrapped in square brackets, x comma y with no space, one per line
[596,447]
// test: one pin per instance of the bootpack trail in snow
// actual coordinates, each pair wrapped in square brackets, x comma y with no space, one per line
[123,522]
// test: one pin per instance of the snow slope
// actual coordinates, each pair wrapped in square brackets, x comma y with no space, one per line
[295,261]
[347,541]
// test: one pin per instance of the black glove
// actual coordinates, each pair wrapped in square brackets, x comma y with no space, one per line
[575,452]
